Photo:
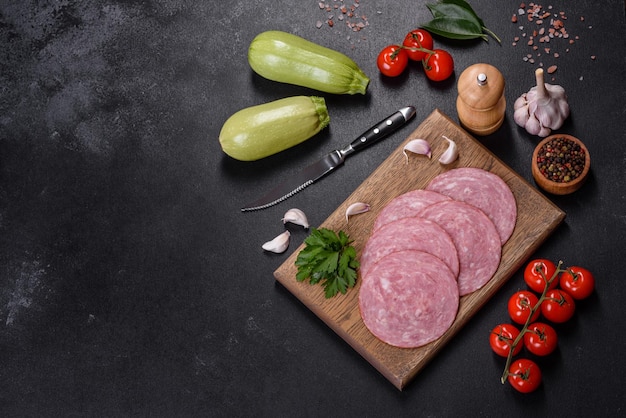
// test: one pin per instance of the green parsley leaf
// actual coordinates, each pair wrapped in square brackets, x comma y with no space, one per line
[328,258]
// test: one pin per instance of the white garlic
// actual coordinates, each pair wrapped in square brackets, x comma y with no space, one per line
[451,154]
[542,109]
[356,208]
[296,216]
[417,146]
[279,244]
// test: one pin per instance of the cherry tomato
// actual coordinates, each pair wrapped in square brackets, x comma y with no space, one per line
[535,279]
[520,305]
[578,282]
[501,339]
[418,38]
[558,306]
[392,60]
[439,65]
[524,375]
[540,339]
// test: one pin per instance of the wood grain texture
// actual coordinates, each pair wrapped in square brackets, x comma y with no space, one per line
[537,219]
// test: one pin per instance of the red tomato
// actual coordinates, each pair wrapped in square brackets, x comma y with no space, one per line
[538,272]
[439,65]
[418,38]
[520,306]
[540,339]
[524,375]
[558,306]
[578,282]
[501,339]
[392,60]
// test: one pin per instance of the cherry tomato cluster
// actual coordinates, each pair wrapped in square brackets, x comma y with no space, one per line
[417,46]
[552,292]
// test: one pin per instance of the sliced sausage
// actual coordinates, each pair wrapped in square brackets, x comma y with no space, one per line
[483,189]
[412,233]
[409,298]
[476,240]
[406,205]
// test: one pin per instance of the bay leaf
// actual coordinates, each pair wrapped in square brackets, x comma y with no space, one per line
[454,28]
[453,11]
[465,5]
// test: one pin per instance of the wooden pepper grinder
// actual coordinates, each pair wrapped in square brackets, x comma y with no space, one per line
[480,102]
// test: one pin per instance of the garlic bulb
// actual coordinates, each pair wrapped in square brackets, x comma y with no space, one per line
[542,109]
[279,244]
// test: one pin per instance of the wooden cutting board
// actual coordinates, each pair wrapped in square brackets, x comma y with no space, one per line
[537,218]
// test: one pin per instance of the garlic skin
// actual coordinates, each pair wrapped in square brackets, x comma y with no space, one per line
[417,146]
[279,244]
[451,154]
[356,208]
[296,216]
[543,108]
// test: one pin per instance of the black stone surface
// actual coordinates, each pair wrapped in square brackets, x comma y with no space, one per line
[132,285]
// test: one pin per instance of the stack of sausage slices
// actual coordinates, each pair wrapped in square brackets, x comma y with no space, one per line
[428,248]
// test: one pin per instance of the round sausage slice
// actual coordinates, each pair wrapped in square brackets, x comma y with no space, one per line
[412,233]
[409,298]
[476,240]
[483,189]
[406,205]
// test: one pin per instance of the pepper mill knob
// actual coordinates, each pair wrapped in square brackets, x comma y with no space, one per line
[480,102]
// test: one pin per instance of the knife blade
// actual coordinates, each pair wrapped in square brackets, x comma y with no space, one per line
[331,161]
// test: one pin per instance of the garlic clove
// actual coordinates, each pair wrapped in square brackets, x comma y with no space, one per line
[417,146]
[356,208]
[296,216]
[564,108]
[279,244]
[533,126]
[451,153]
[520,102]
[521,114]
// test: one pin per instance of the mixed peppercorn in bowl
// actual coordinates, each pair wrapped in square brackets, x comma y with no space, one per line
[560,164]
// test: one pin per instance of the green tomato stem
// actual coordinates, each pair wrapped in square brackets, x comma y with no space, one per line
[420,48]
[425,60]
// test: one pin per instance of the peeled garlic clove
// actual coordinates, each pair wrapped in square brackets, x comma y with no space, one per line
[417,146]
[296,216]
[279,244]
[356,208]
[451,154]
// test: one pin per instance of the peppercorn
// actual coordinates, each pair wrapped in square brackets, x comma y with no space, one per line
[561,160]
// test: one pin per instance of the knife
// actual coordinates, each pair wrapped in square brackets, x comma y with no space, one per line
[331,161]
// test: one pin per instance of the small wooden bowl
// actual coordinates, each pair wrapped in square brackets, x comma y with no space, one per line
[560,188]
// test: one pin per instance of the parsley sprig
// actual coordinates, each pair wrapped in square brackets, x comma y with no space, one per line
[329,259]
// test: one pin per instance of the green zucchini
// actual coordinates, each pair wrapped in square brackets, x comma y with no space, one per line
[266,129]
[286,58]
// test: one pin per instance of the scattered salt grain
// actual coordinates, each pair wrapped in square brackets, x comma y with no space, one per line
[345,12]
[548,26]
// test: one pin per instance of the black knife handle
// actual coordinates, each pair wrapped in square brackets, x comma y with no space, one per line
[383,128]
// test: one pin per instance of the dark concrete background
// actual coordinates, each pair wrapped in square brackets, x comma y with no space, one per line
[132,285]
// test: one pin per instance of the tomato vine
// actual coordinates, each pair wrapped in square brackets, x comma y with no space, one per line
[554,304]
